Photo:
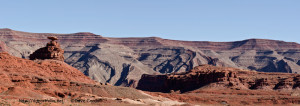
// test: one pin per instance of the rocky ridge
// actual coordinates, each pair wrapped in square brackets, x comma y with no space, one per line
[213,85]
[121,61]
[208,76]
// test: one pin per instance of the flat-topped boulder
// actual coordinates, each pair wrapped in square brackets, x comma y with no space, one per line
[52,38]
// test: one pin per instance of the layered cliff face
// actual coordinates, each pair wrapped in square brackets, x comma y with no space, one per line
[207,76]
[122,61]
[213,85]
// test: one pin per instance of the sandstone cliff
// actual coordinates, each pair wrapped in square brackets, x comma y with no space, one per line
[208,76]
[211,85]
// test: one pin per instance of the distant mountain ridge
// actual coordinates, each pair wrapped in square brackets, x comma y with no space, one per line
[122,61]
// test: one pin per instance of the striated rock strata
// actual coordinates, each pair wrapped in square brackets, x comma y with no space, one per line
[220,78]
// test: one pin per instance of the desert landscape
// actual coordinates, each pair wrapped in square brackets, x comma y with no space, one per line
[50,69]
[149,53]
[122,61]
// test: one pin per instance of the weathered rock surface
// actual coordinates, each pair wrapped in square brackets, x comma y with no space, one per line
[122,61]
[51,51]
[219,77]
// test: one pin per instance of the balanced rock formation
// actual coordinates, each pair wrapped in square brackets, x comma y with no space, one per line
[51,51]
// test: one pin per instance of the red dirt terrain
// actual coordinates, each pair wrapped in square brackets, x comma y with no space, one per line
[47,79]
[52,79]
[25,82]
[208,84]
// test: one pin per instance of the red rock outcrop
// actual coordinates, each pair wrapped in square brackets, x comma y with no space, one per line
[49,79]
[210,85]
[51,51]
[43,82]
[222,78]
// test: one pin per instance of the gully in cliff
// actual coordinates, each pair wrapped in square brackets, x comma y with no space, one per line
[51,51]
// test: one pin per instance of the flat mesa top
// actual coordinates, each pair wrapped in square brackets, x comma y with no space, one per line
[52,38]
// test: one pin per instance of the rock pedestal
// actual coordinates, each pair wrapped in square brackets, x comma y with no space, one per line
[51,51]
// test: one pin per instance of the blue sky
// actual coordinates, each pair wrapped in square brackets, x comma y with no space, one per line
[193,20]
